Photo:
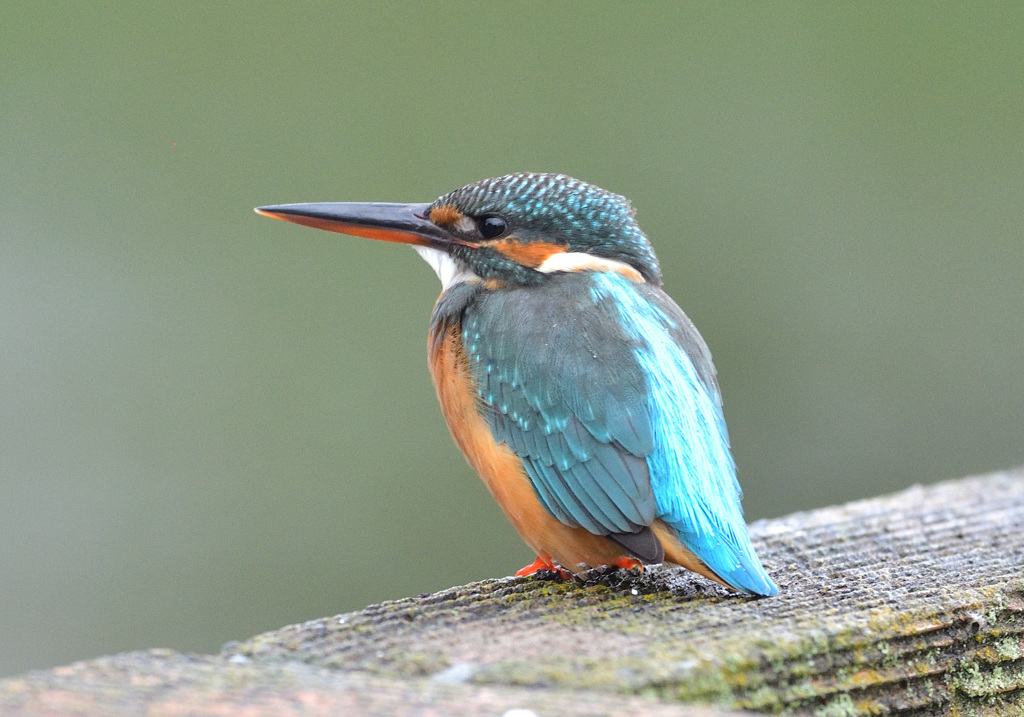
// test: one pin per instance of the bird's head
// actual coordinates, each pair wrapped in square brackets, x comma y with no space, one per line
[517,229]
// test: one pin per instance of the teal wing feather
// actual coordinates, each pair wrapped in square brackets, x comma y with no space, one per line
[556,391]
[607,393]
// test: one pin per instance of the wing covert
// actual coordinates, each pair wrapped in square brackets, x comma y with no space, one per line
[561,386]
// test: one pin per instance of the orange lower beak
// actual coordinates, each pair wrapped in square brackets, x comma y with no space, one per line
[404,223]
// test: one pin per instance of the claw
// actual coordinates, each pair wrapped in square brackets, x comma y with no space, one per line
[628,564]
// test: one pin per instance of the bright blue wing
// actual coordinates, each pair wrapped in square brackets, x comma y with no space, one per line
[607,392]
[692,471]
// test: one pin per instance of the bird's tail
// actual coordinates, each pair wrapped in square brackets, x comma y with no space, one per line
[728,559]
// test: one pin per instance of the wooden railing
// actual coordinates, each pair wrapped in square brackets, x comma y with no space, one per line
[909,604]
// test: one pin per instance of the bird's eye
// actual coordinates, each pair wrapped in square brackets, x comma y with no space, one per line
[491,227]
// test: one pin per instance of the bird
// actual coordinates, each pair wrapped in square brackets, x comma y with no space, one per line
[576,388]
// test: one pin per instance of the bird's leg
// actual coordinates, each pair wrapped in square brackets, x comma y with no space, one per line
[628,564]
[546,564]
[538,564]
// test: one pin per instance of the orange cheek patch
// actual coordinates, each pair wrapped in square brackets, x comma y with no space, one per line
[445,214]
[531,254]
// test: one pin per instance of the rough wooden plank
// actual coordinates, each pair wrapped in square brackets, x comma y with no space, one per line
[163,683]
[909,604]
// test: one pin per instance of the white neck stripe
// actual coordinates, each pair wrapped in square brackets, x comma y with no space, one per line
[581,261]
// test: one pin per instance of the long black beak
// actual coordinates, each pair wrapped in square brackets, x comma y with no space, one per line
[404,223]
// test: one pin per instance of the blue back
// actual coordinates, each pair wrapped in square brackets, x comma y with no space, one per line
[607,392]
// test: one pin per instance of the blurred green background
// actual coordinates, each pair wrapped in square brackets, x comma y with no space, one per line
[213,424]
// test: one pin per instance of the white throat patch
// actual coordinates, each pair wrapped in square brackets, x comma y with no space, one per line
[446,268]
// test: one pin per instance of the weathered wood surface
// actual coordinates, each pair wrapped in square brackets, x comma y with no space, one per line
[909,604]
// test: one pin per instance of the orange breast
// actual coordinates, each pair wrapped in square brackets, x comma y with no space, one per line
[502,471]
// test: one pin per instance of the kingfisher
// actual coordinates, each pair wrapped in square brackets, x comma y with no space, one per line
[574,385]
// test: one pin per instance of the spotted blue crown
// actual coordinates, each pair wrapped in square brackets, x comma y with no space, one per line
[557,208]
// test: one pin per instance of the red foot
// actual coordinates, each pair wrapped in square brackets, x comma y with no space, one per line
[543,564]
[629,564]
[538,564]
